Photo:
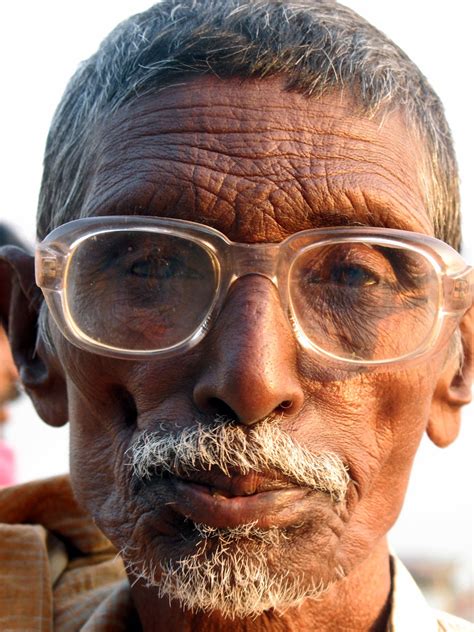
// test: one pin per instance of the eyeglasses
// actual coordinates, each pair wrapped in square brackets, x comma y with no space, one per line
[142,287]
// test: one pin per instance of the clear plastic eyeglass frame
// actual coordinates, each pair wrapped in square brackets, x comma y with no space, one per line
[54,255]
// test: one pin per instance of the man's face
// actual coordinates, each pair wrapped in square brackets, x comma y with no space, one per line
[8,375]
[258,164]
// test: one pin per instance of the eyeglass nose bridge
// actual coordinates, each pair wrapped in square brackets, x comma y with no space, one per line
[259,259]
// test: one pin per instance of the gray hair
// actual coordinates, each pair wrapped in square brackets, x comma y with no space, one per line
[315,45]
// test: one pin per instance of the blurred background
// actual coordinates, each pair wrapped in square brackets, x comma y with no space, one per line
[40,47]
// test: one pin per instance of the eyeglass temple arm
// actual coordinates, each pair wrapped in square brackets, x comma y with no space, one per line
[49,264]
[459,291]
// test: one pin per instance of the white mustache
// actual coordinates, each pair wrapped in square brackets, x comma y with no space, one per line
[228,446]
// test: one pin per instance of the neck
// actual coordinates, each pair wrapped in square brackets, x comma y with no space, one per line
[358,603]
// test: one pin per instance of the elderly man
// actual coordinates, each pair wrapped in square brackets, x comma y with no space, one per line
[249,314]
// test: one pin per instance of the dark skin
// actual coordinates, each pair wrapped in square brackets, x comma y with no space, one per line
[259,164]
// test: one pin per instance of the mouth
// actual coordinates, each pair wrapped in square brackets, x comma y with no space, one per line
[220,501]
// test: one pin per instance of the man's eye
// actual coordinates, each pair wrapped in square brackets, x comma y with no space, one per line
[353,276]
[165,268]
[156,268]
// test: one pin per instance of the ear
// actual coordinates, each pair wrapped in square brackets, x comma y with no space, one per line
[453,390]
[20,301]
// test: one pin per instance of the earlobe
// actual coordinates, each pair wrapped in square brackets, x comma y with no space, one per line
[20,303]
[453,390]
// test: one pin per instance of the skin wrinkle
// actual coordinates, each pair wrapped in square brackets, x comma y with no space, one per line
[132,170]
[390,222]
[231,115]
[267,154]
[239,115]
[351,401]
[187,139]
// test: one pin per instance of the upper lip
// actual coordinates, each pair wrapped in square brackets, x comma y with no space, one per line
[237,484]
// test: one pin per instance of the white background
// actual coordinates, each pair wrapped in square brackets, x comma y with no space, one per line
[40,46]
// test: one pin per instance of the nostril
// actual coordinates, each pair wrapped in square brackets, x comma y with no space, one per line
[218,407]
[286,404]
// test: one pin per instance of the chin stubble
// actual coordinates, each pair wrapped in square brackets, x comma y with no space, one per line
[230,573]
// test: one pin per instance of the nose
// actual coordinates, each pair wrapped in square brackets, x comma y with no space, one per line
[249,368]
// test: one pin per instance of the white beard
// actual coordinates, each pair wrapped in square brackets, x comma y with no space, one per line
[230,573]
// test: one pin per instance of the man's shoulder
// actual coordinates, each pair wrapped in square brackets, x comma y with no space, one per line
[50,503]
[54,562]
[31,501]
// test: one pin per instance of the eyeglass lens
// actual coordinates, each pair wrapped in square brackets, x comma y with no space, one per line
[143,290]
[365,301]
[140,290]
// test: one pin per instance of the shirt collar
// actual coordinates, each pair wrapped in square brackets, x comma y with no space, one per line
[410,610]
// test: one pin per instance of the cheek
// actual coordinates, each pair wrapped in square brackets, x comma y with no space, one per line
[103,398]
[402,407]
[391,413]
[100,434]
[100,475]
[368,419]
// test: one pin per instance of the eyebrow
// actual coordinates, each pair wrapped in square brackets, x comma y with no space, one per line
[325,219]
[377,213]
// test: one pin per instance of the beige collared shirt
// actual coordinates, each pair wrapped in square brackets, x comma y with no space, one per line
[410,611]
[59,573]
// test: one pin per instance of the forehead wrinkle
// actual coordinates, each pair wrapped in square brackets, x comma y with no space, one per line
[217,195]
[216,127]
[222,211]
[219,107]
[204,128]
[333,159]
[214,162]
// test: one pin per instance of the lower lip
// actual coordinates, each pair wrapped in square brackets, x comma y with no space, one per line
[277,508]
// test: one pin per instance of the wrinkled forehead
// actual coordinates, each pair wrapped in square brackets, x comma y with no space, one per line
[256,161]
